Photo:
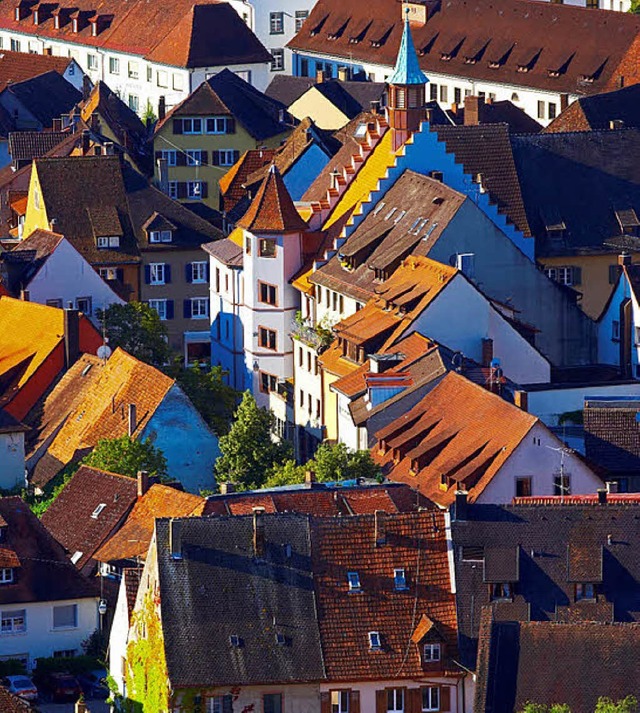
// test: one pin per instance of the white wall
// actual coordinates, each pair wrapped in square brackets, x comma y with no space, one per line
[66,276]
[608,347]
[310,383]
[541,462]
[118,637]
[11,461]
[40,639]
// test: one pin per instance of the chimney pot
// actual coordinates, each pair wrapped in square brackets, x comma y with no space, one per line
[602,496]
[380,529]
[612,486]
[487,352]
[258,532]
[227,488]
[175,538]
[521,399]
[132,420]
[162,108]
[616,124]
[461,505]
[143,482]
[309,477]
[25,295]
[472,110]
[81,707]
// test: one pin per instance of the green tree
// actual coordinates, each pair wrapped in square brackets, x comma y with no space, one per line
[634,8]
[126,456]
[215,400]
[248,453]
[624,705]
[137,329]
[531,707]
[331,462]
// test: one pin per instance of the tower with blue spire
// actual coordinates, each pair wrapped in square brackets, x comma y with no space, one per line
[406,103]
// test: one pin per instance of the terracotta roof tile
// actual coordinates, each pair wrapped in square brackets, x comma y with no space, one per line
[133,538]
[12,704]
[72,518]
[18,66]
[231,184]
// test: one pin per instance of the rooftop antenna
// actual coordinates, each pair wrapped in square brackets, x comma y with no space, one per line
[563,450]
[104,350]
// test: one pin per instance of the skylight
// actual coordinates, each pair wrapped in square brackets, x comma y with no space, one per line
[354,581]
[399,580]
[374,641]
[234,640]
[98,510]
[75,558]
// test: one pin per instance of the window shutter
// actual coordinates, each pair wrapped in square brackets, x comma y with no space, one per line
[188,272]
[231,125]
[147,274]
[445,699]
[167,274]
[576,275]
[381,701]
[215,158]
[236,156]
[614,270]
[354,701]
[227,704]
[204,157]
[414,700]
[181,158]
[325,702]
[207,272]
[205,189]
[182,189]
[169,309]
[187,309]
[177,126]
[120,274]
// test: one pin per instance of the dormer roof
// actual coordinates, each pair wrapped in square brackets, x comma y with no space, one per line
[272,210]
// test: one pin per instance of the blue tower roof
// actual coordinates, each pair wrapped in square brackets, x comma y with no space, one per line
[407,69]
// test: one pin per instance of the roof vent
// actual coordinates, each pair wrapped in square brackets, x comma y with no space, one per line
[98,510]
[280,639]
[234,640]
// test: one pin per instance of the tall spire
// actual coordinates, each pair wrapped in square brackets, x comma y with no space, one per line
[407,70]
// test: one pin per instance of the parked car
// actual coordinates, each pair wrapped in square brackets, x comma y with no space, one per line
[21,686]
[60,686]
[94,684]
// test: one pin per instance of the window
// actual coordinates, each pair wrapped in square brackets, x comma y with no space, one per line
[194,190]
[199,307]
[272,703]
[431,652]
[178,82]
[194,157]
[173,189]
[149,74]
[219,704]
[430,698]
[395,700]
[134,102]
[552,110]
[399,580]
[354,582]
[501,591]
[301,16]
[64,654]
[374,641]
[247,245]
[199,272]
[192,126]
[636,332]
[566,275]
[523,487]
[114,65]
[267,338]
[457,95]
[83,304]
[541,110]
[444,95]
[339,701]
[615,330]
[163,78]
[268,293]
[226,157]
[65,616]
[217,125]
[133,70]
[277,60]
[160,307]
[160,236]
[6,575]
[585,591]
[13,622]
[433,92]
[15,45]
[268,382]
[55,303]
[157,273]
[102,242]
[108,242]
[92,61]
[276,23]
[561,485]
[266,247]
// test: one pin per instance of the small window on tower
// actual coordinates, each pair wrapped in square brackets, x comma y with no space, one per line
[401,99]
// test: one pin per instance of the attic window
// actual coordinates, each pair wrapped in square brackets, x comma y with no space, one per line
[390,214]
[431,652]
[160,236]
[354,582]
[280,639]
[399,580]
[374,641]
[95,514]
[234,640]
[112,241]
[400,216]
[6,575]
[585,592]
[501,592]
[472,553]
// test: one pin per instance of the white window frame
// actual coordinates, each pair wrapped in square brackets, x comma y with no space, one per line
[170,156]
[102,243]
[8,619]
[375,643]
[340,701]
[133,70]
[199,272]
[178,82]
[432,702]
[74,607]
[96,513]
[194,190]
[276,23]
[92,62]
[215,704]
[397,704]
[114,65]
[277,59]
[202,311]
[15,45]
[300,17]
[133,102]
[6,575]
[160,306]
[157,273]
[161,236]
[194,157]
[162,78]
[353,578]
[432,652]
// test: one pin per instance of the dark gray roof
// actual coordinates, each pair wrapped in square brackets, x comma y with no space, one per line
[275,595]
[27,145]
[46,96]
[286,89]
[557,545]
[612,434]
[226,251]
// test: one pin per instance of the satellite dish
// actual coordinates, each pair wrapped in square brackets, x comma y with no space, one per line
[104,351]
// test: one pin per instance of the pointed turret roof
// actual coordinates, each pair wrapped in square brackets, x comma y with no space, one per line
[272,210]
[407,69]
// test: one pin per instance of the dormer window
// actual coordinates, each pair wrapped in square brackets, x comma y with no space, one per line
[96,513]
[105,243]
[431,652]
[501,592]
[354,582]
[585,592]
[161,236]
[399,580]
[374,641]
[6,575]
[628,221]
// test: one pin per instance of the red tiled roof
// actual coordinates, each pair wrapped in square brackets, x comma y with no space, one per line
[415,542]
[231,184]
[19,66]
[272,210]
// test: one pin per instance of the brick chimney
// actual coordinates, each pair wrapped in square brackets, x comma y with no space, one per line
[71,337]
[143,482]
[227,488]
[472,110]
[461,504]
[309,477]
[86,142]
[175,539]
[380,534]
[258,532]
[487,352]
[132,420]
[162,108]
[86,87]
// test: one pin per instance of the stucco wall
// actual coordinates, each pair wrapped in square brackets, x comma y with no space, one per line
[118,638]
[11,461]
